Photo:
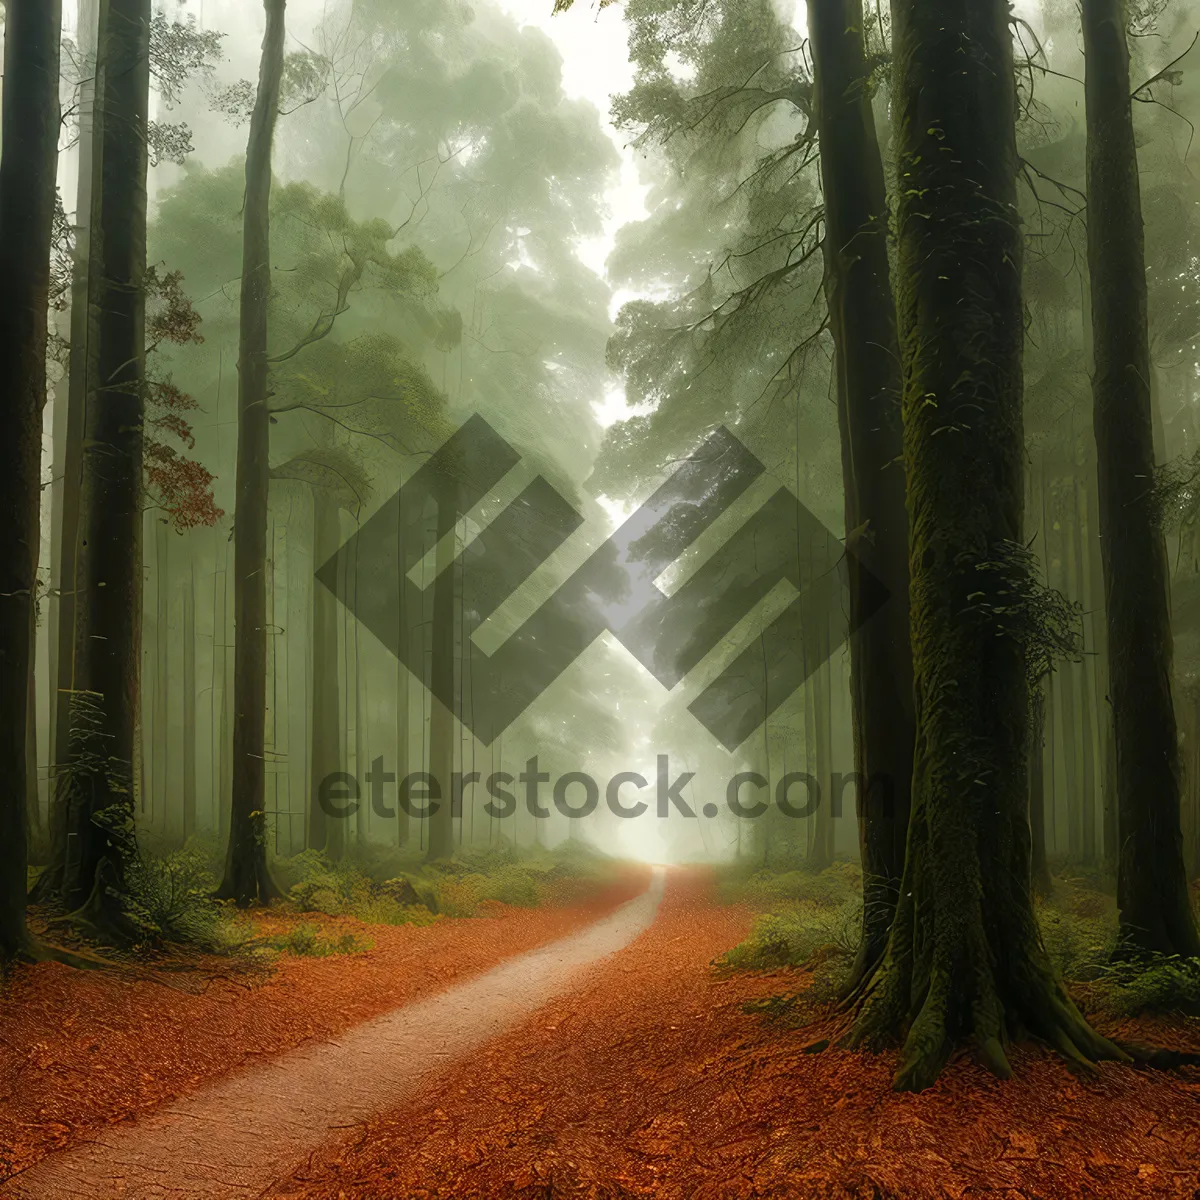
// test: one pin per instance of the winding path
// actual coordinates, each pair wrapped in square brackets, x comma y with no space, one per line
[235,1137]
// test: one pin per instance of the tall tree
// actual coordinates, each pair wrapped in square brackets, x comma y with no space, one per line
[108,581]
[246,876]
[28,166]
[69,404]
[964,958]
[863,323]
[1152,893]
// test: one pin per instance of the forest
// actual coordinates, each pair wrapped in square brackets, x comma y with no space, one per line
[600,598]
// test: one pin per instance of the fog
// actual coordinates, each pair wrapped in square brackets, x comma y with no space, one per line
[618,266]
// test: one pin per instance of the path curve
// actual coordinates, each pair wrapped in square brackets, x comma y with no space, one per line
[232,1139]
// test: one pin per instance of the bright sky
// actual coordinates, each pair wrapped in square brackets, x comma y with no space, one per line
[594,47]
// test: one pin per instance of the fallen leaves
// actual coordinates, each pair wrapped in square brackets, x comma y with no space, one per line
[650,1081]
[83,1049]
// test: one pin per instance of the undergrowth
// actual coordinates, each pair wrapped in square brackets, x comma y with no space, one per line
[810,922]
[170,897]
[308,941]
[387,888]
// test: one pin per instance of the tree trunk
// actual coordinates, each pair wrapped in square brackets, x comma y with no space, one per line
[863,321]
[69,431]
[1086,690]
[441,719]
[402,740]
[1039,869]
[964,958]
[27,171]
[189,703]
[247,879]
[35,830]
[325,832]
[1064,677]
[108,558]
[1152,894]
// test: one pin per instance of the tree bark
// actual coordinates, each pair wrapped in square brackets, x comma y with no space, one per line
[1086,690]
[863,322]
[325,833]
[1152,894]
[35,829]
[964,959]
[108,551]
[247,879]
[1039,869]
[69,431]
[28,167]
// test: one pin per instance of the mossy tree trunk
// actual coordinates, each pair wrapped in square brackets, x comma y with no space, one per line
[247,879]
[863,321]
[964,960]
[1039,869]
[27,170]
[69,429]
[1086,689]
[107,650]
[1152,894]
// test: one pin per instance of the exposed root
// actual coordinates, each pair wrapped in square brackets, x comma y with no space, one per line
[1157,1058]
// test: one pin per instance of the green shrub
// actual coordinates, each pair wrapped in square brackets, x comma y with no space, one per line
[459,895]
[384,910]
[795,938]
[170,898]
[514,886]
[1160,984]
[307,941]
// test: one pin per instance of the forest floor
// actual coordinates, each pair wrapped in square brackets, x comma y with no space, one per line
[81,1050]
[650,1080]
[645,1078]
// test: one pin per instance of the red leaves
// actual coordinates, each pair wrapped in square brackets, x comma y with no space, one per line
[180,486]
[170,316]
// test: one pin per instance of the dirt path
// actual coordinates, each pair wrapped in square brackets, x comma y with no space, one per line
[82,1050]
[649,1080]
[232,1138]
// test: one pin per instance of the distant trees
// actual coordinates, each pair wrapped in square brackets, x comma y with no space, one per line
[1152,891]
[28,167]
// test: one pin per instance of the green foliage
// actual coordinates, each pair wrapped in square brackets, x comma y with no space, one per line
[1079,929]
[769,891]
[317,884]
[1160,984]
[307,941]
[796,937]
[1078,926]
[169,897]
[377,885]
